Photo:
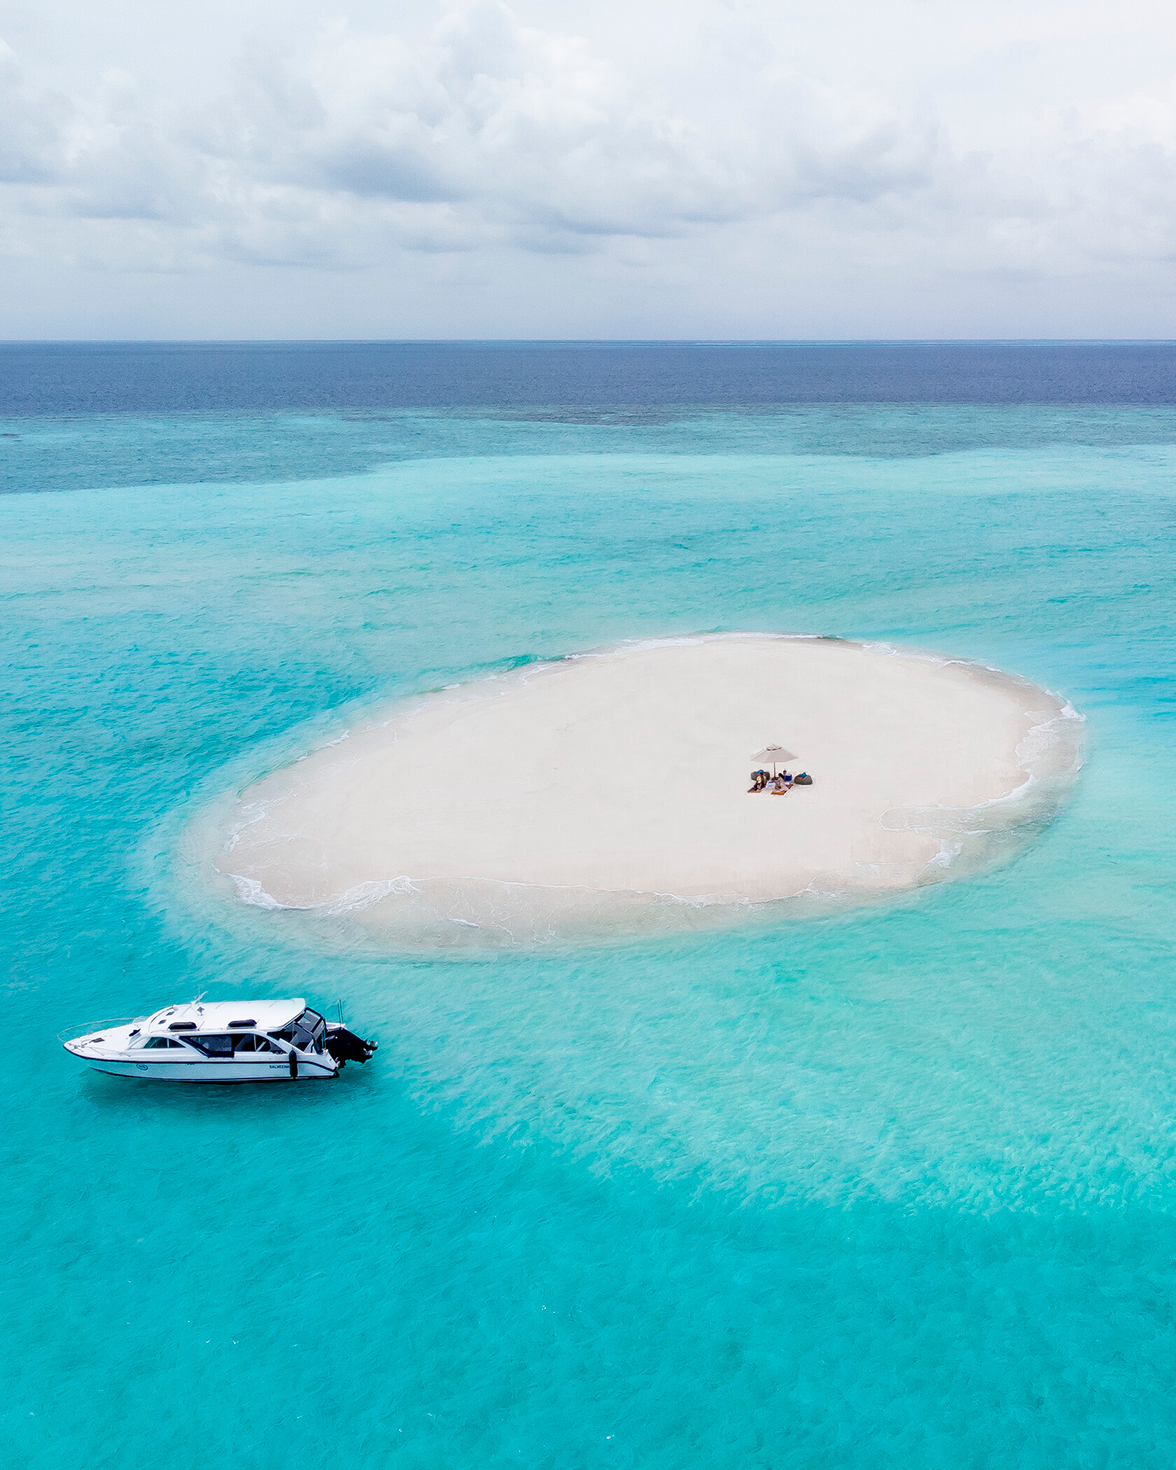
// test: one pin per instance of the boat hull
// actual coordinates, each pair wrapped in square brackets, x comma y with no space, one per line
[199,1070]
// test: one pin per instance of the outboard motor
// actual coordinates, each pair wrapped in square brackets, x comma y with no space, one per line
[346,1047]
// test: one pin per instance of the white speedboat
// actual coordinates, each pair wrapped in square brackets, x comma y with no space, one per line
[220,1041]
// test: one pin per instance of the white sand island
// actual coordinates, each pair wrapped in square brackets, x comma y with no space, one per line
[595,790]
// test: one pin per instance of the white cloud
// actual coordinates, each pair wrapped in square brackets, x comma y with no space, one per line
[490,135]
[490,131]
[31,126]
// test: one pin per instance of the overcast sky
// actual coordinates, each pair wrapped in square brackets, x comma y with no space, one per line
[625,168]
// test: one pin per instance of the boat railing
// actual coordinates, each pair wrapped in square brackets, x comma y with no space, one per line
[87,1028]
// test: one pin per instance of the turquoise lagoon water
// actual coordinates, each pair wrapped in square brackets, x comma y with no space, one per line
[895,1186]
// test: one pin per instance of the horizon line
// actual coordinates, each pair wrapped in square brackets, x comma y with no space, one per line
[587,342]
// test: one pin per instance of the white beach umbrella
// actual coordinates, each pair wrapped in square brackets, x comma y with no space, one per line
[774,753]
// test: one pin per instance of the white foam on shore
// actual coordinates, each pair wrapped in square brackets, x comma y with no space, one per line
[315,839]
[250,891]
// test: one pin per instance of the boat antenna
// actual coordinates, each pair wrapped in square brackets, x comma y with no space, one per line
[200,997]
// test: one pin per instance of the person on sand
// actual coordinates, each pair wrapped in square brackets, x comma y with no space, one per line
[782,785]
[757,781]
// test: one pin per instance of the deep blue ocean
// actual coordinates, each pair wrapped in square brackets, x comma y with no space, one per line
[895,1187]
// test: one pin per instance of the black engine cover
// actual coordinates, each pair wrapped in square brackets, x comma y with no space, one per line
[345,1046]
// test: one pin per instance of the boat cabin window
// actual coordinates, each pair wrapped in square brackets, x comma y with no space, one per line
[252,1043]
[213,1046]
[159,1042]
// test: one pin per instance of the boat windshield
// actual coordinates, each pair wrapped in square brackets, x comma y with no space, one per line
[311,1021]
[305,1031]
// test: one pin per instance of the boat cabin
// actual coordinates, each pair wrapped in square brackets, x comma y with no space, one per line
[228,1029]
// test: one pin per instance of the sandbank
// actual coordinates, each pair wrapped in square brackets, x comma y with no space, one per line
[604,784]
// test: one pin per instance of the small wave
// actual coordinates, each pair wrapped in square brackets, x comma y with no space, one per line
[250,891]
[700,900]
[367,895]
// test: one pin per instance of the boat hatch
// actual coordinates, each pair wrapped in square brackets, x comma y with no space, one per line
[234,1024]
[182,1026]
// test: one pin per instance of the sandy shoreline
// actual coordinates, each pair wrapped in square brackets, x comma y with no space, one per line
[626,773]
